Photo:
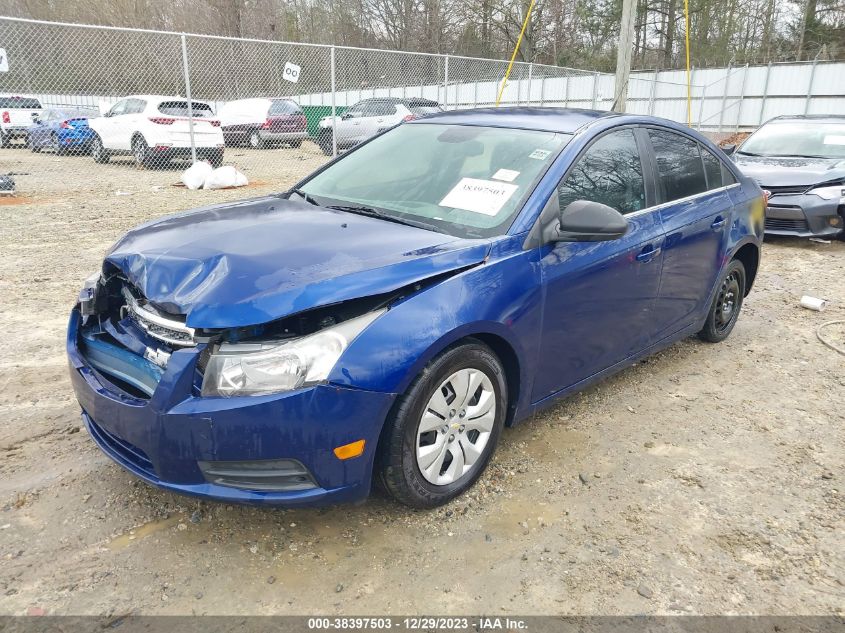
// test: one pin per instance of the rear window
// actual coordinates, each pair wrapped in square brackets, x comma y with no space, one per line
[180,108]
[423,107]
[22,103]
[679,165]
[284,107]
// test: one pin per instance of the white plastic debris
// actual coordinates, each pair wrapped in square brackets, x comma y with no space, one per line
[813,303]
[194,177]
[224,177]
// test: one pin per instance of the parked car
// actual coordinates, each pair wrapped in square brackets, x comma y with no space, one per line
[16,117]
[369,117]
[155,129]
[259,122]
[391,313]
[62,130]
[800,160]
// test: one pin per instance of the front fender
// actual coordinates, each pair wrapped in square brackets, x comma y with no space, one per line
[500,298]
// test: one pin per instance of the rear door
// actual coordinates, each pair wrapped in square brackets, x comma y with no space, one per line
[599,296]
[695,211]
[106,126]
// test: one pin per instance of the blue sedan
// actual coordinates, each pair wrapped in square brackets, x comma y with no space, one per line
[387,317]
[63,130]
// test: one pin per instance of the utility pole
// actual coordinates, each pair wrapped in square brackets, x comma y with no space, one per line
[623,56]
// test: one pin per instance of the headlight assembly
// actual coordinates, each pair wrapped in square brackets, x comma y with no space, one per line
[830,193]
[254,369]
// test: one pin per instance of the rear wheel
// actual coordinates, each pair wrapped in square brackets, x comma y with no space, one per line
[141,152]
[255,140]
[98,151]
[4,141]
[726,304]
[445,427]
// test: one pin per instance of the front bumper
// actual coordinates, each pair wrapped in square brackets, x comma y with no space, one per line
[803,215]
[162,439]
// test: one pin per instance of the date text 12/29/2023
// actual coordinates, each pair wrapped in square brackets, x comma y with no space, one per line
[417,623]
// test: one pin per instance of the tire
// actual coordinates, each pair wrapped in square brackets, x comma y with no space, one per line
[724,311]
[98,151]
[215,158]
[324,141]
[296,144]
[426,467]
[140,152]
[4,141]
[31,144]
[58,150]
[255,141]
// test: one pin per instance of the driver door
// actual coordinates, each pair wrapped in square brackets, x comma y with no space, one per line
[107,125]
[349,125]
[599,296]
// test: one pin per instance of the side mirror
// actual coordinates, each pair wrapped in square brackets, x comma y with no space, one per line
[729,149]
[345,116]
[588,221]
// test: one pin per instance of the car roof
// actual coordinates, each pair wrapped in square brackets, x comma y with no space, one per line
[819,118]
[415,100]
[565,120]
[161,98]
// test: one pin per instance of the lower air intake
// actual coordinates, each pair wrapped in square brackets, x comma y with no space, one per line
[267,475]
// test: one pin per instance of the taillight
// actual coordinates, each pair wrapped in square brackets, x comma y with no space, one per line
[302,120]
[266,125]
[65,125]
[162,120]
[215,123]
[6,118]
[409,117]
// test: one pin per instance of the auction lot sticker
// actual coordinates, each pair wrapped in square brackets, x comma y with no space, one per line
[479,196]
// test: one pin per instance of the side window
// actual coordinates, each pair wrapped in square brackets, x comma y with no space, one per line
[679,165]
[356,111]
[609,172]
[713,169]
[118,108]
[374,108]
[135,106]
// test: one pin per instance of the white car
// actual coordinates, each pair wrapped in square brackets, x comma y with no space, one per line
[369,117]
[17,115]
[155,129]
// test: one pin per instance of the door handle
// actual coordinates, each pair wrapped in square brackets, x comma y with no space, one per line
[648,253]
[718,223]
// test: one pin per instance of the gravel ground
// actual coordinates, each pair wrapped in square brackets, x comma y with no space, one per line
[707,479]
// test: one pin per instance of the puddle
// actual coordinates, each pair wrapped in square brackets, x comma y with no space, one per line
[141,532]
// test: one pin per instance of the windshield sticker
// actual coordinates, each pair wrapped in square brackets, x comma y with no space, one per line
[479,196]
[539,154]
[508,175]
[832,139]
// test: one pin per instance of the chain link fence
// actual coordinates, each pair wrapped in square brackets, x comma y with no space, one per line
[93,71]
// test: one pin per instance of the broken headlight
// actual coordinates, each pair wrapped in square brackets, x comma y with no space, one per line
[254,369]
[830,193]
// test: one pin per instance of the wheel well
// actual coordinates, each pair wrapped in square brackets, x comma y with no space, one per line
[510,362]
[749,255]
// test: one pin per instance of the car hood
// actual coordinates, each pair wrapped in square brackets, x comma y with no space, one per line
[790,172]
[259,260]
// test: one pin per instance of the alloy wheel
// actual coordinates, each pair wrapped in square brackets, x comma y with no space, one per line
[455,426]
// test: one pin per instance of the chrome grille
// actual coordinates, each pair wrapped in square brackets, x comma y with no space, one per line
[159,327]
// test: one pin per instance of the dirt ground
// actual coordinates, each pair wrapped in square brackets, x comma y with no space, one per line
[708,479]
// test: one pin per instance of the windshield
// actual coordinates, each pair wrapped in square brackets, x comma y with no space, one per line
[797,138]
[467,181]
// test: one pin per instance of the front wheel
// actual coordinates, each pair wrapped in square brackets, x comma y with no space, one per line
[98,151]
[324,141]
[445,428]
[255,140]
[726,305]
[33,146]
[141,152]
[57,146]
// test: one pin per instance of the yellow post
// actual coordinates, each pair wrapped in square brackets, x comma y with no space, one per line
[689,80]
[515,51]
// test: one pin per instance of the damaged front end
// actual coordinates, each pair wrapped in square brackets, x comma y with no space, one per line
[130,340]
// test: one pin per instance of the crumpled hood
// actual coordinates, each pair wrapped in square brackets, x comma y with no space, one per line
[790,172]
[259,260]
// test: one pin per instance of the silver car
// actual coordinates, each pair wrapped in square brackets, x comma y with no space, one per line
[800,160]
